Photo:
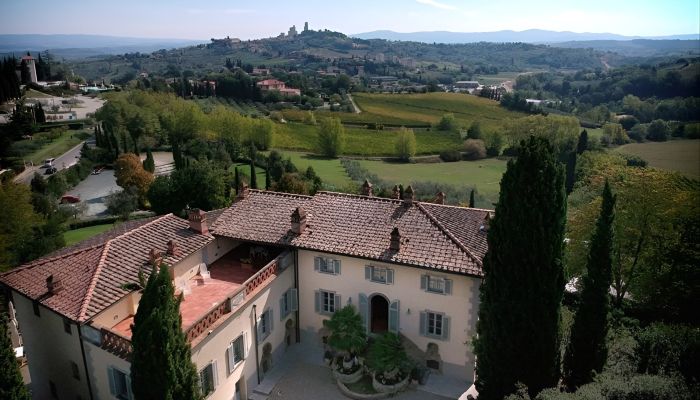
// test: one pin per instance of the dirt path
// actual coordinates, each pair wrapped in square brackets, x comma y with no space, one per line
[354,106]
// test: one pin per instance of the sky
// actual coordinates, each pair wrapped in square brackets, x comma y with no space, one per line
[257,19]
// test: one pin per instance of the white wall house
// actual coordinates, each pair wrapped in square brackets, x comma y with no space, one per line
[256,278]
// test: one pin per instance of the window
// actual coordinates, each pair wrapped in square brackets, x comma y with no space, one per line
[435,325]
[379,274]
[327,265]
[288,303]
[74,369]
[208,379]
[66,326]
[119,384]
[265,325]
[326,302]
[236,353]
[35,305]
[436,284]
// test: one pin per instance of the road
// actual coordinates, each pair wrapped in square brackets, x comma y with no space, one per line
[63,161]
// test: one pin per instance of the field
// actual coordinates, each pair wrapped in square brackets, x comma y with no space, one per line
[328,169]
[485,175]
[366,142]
[77,235]
[55,148]
[675,155]
[245,168]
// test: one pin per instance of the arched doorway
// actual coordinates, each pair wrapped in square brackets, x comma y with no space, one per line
[379,314]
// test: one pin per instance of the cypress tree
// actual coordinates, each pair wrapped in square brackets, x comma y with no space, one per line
[570,172]
[149,163]
[11,383]
[161,365]
[582,142]
[471,199]
[253,176]
[587,350]
[519,314]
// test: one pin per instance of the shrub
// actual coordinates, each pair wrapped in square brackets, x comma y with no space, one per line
[634,160]
[347,334]
[658,131]
[405,144]
[474,149]
[331,137]
[387,358]
[447,123]
[638,132]
[670,350]
[450,155]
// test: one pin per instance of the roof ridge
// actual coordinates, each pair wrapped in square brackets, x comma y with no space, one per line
[101,263]
[449,234]
[460,207]
[283,194]
[359,196]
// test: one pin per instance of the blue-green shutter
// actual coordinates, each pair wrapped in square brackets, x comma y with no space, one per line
[317,263]
[368,272]
[423,323]
[336,304]
[294,304]
[270,318]
[336,267]
[283,311]
[363,306]
[112,384]
[424,282]
[394,316]
[445,327]
[448,286]
[317,301]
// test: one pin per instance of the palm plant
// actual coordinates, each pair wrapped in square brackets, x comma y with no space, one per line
[347,334]
[387,357]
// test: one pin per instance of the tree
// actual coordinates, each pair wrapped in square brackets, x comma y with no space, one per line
[519,314]
[129,172]
[582,144]
[17,222]
[149,164]
[658,131]
[570,172]
[253,175]
[267,178]
[236,179]
[347,334]
[161,365]
[123,203]
[471,199]
[615,133]
[405,144]
[200,185]
[11,382]
[474,131]
[331,137]
[587,349]
[447,123]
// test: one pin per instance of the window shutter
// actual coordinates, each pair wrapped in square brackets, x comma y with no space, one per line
[260,326]
[283,312]
[368,272]
[270,314]
[112,384]
[294,305]
[423,322]
[317,301]
[424,282]
[394,316]
[363,306]
[448,286]
[336,266]
[389,276]
[215,374]
[445,327]
[128,387]
[230,357]
[245,345]
[317,263]
[336,304]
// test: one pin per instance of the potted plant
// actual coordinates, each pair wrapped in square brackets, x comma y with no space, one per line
[348,338]
[391,366]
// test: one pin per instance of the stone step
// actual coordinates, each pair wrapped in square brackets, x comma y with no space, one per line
[257,396]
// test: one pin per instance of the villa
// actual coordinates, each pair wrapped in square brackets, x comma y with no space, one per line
[257,278]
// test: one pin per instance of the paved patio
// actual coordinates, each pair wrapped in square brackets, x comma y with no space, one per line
[302,375]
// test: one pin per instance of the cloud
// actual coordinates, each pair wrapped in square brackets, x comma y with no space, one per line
[436,4]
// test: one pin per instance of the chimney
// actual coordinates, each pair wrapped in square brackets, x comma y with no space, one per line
[395,243]
[198,221]
[440,198]
[485,224]
[243,190]
[366,188]
[298,221]
[155,257]
[408,196]
[395,192]
[173,248]
[53,286]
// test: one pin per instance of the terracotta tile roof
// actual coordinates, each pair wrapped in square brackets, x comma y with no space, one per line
[93,276]
[464,223]
[361,226]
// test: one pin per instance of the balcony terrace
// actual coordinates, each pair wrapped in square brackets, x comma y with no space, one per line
[235,277]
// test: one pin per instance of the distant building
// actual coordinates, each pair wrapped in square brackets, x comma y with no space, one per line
[292,31]
[306,26]
[261,71]
[274,84]
[31,64]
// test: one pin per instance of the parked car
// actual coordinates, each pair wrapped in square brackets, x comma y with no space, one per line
[50,170]
[49,162]
[70,199]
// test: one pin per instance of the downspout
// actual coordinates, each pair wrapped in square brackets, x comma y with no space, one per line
[255,333]
[82,352]
[296,285]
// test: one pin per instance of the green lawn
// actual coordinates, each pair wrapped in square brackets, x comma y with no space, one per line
[259,172]
[78,235]
[328,169]
[485,175]
[53,149]
[675,155]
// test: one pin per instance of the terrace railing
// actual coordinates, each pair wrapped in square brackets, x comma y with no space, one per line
[115,343]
